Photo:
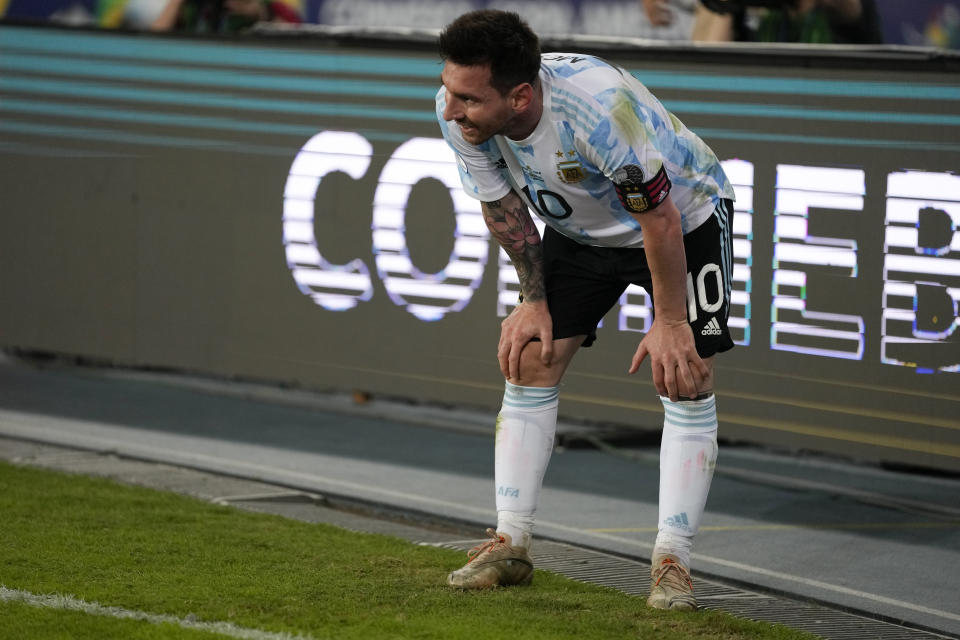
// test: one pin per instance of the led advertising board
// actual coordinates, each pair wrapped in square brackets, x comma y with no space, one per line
[286,210]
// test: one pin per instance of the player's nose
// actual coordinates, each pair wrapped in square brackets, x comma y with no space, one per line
[452,111]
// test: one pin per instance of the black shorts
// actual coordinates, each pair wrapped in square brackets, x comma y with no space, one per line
[584,282]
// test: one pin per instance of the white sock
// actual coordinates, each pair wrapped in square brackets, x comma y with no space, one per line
[519,526]
[688,455]
[526,428]
[675,545]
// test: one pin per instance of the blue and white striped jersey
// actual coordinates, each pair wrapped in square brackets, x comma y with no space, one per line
[605,148]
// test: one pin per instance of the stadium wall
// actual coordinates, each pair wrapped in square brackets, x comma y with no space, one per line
[282,208]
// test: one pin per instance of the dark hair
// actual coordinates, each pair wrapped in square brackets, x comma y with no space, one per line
[500,39]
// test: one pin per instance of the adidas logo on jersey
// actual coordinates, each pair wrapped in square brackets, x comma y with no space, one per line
[712,328]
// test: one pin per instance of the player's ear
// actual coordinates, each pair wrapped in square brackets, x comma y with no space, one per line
[521,96]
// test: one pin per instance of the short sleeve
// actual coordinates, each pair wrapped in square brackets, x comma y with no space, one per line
[625,146]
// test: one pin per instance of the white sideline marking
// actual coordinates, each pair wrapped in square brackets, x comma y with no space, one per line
[69,603]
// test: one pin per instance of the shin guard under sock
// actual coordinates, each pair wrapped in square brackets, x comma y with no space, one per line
[526,428]
[688,455]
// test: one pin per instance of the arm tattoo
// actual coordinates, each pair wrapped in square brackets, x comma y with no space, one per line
[510,223]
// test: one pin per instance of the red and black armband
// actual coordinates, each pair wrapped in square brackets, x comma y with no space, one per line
[636,194]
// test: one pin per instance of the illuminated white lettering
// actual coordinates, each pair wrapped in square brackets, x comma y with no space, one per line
[921,272]
[636,310]
[428,296]
[798,325]
[814,263]
[332,286]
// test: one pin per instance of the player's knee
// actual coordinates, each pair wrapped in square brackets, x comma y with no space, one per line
[533,371]
[536,376]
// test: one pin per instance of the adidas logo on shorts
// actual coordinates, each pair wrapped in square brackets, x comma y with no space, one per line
[712,328]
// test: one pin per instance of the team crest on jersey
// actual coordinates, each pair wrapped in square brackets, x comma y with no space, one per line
[569,168]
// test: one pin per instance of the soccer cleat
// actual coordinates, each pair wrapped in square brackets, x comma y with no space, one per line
[671,587]
[494,563]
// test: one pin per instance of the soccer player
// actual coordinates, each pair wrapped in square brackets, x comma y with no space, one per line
[628,195]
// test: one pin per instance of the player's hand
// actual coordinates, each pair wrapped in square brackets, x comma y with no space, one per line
[677,368]
[527,321]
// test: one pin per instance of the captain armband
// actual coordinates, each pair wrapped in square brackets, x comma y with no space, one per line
[636,194]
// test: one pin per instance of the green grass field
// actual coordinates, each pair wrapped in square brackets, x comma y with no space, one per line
[183,565]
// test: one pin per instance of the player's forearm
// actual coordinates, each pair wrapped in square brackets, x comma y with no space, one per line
[663,244]
[512,226]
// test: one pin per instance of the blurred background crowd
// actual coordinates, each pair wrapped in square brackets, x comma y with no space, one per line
[928,23]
